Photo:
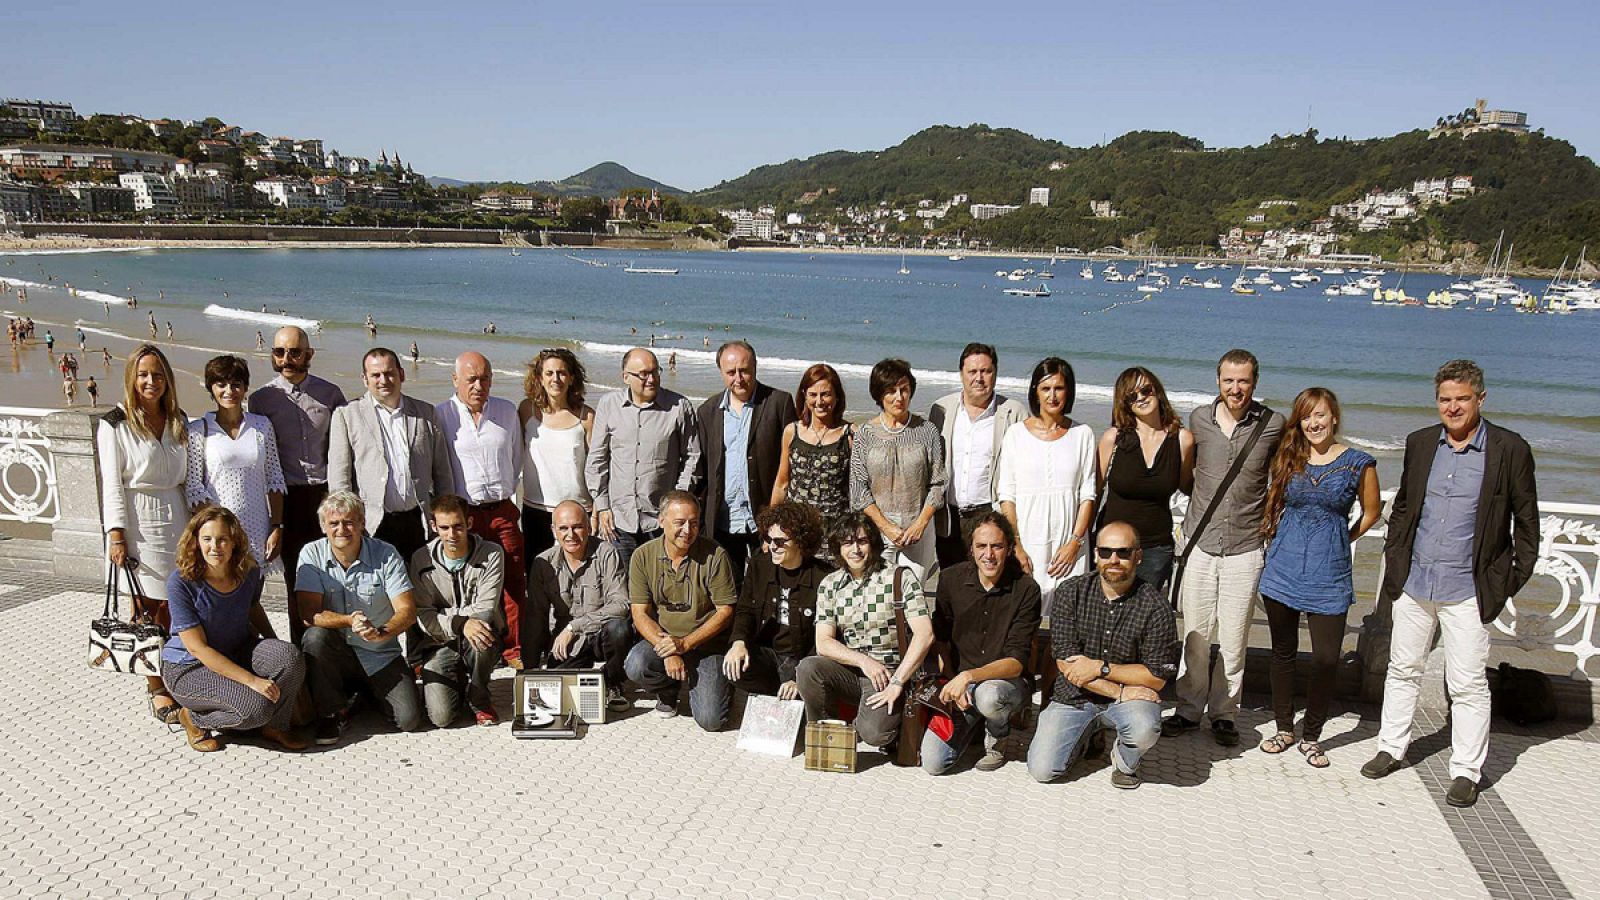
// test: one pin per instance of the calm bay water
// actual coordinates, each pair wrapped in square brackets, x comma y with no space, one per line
[851,310]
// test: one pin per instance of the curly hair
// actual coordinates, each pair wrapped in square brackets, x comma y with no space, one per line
[533,385]
[801,522]
[192,565]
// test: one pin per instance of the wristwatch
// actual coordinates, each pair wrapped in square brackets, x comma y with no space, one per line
[1105,670]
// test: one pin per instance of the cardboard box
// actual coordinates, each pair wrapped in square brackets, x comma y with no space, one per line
[830,746]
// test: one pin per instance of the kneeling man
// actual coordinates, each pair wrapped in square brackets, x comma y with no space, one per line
[458,578]
[1114,639]
[580,582]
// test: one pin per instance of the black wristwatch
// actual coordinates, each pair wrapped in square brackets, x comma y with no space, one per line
[1105,670]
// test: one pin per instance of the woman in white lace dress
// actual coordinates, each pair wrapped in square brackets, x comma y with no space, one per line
[233,462]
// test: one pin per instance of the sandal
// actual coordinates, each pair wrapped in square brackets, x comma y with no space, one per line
[1312,751]
[166,715]
[198,737]
[1278,743]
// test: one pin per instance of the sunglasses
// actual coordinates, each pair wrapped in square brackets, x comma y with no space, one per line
[777,543]
[291,352]
[1141,392]
[651,375]
[1118,552]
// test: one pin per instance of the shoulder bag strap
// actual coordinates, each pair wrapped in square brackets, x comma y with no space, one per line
[1191,540]
[1105,495]
[901,629]
[113,593]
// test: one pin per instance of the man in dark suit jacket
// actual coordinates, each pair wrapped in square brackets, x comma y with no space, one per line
[748,416]
[1463,538]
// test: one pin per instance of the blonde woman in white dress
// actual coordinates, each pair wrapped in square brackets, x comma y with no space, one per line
[141,448]
[1047,479]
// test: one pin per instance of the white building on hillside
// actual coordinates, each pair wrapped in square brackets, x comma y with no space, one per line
[1039,196]
[982,211]
[151,192]
[289,193]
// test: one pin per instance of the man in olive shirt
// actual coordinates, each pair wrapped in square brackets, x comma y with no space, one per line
[1218,589]
[681,589]
[984,621]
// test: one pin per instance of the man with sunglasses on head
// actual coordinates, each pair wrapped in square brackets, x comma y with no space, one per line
[645,442]
[1115,643]
[300,406]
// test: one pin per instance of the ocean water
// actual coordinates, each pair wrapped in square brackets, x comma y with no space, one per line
[851,310]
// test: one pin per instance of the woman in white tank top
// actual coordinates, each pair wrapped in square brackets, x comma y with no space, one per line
[555,429]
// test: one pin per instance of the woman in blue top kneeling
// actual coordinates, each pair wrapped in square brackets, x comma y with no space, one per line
[1315,482]
[223,663]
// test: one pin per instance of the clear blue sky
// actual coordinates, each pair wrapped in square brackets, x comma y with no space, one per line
[692,93]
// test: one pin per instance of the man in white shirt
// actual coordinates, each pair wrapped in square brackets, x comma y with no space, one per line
[387,448]
[972,422]
[484,438]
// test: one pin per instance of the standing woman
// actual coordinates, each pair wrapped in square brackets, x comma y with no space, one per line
[142,466]
[1047,478]
[223,662]
[233,462]
[1145,457]
[1315,482]
[897,473]
[815,465]
[555,427]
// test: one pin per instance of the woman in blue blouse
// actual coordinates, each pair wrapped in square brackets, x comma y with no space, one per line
[1315,482]
[223,664]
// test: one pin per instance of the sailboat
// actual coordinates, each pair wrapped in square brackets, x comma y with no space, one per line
[903,269]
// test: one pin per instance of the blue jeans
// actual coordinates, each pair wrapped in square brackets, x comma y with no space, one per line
[1058,739]
[993,702]
[710,692]
[629,541]
[1155,565]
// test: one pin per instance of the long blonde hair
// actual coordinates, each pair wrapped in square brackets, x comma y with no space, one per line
[177,422]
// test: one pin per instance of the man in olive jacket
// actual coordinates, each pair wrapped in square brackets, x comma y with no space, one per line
[458,578]
[1463,538]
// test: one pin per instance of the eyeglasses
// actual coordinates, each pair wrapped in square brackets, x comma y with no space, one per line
[1118,552]
[1141,392]
[777,543]
[647,375]
[291,352]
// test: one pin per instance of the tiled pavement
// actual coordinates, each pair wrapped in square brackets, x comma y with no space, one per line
[97,800]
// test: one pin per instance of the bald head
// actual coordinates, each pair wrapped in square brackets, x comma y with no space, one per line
[291,353]
[569,522]
[1117,554]
[641,375]
[472,378]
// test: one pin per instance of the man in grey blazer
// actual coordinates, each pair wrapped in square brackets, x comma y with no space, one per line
[972,422]
[388,449]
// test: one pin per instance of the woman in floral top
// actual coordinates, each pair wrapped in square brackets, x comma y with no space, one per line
[858,659]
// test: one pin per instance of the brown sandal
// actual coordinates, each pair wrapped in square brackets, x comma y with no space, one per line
[166,715]
[1312,750]
[198,737]
[1278,743]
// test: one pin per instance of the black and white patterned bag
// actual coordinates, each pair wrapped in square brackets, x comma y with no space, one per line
[128,647]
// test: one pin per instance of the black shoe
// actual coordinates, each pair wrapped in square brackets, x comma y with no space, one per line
[329,728]
[1381,765]
[1174,725]
[1463,792]
[1127,781]
[1225,733]
[616,700]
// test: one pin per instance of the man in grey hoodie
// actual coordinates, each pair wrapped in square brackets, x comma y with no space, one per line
[458,578]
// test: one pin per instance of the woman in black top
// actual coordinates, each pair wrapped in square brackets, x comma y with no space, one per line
[774,625]
[1145,456]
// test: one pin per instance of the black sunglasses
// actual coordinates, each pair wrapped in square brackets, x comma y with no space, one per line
[1118,552]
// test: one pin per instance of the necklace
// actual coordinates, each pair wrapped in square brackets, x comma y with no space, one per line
[883,421]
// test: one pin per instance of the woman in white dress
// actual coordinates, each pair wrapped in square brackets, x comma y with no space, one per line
[142,466]
[233,462]
[1047,478]
[555,429]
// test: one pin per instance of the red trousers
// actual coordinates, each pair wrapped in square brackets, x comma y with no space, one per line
[498,522]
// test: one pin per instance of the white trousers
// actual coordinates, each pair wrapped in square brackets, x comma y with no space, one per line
[1465,640]
[1218,599]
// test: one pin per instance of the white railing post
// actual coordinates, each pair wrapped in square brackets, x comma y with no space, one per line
[77,541]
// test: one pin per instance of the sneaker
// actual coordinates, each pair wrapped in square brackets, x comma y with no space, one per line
[1174,725]
[328,730]
[1126,781]
[992,759]
[1381,765]
[1463,792]
[616,700]
[666,710]
[486,717]
[1225,733]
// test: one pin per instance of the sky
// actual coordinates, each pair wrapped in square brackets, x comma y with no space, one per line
[693,93]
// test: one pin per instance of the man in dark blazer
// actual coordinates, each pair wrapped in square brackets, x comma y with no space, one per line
[1463,538]
[741,436]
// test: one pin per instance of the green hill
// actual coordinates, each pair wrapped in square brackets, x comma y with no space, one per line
[1174,193]
[608,179]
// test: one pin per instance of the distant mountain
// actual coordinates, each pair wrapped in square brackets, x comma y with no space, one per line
[607,179]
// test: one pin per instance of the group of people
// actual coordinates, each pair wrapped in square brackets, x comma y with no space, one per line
[759,541]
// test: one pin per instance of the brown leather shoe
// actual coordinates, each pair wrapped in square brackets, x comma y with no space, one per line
[199,738]
[288,740]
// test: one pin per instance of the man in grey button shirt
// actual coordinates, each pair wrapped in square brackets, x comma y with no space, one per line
[645,442]
[580,579]
[1217,595]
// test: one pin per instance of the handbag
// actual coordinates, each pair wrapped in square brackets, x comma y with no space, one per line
[1191,540]
[131,646]
[923,687]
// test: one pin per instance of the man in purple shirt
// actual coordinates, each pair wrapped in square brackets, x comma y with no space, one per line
[1463,537]
[300,406]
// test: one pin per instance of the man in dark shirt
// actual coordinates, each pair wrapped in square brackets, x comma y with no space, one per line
[1114,640]
[984,621]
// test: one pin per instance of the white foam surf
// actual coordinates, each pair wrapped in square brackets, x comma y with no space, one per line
[246,315]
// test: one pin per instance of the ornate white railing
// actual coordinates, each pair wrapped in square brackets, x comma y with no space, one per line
[28,491]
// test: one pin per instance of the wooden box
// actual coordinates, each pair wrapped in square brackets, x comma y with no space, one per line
[830,746]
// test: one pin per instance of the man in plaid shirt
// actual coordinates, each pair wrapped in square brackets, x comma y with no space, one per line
[1115,642]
